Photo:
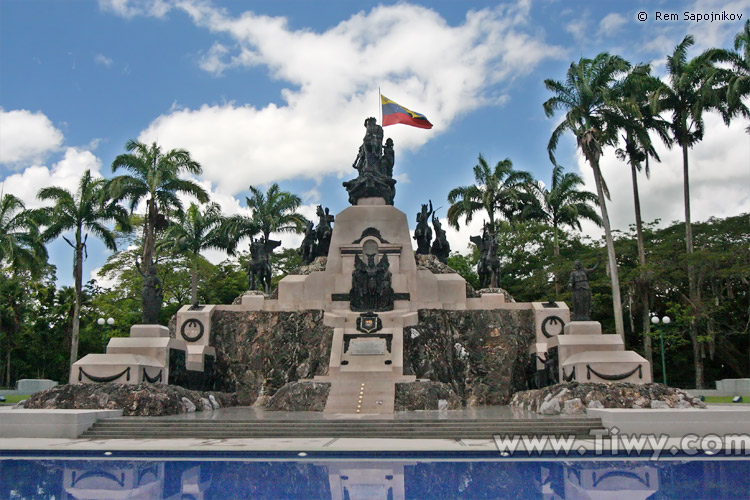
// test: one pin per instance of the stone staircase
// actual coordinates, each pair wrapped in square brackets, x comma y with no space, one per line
[362,392]
[166,428]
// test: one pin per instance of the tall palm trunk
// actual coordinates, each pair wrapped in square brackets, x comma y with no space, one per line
[611,257]
[557,255]
[642,279]
[149,233]
[194,281]
[78,276]
[693,328]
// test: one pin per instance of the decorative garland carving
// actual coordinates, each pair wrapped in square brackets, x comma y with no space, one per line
[103,380]
[151,380]
[621,376]
[552,319]
[98,473]
[191,322]
[571,376]
[622,473]
[370,231]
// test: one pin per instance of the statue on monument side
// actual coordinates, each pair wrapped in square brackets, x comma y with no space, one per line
[389,158]
[153,294]
[423,233]
[323,232]
[374,167]
[371,285]
[579,283]
[488,267]
[259,275]
[307,249]
[440,247]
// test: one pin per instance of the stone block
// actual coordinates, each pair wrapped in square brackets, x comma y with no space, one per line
[32,385]
[194,325]
[120,368]
[196,356]
[492,300]
[157,348]
[66,424]
[253,302]
[608,366]
[568,345]
[549,321]
[583,328]
[153,331]
[451,290]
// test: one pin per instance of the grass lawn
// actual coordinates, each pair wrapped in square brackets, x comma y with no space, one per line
[15,398]
[725,399]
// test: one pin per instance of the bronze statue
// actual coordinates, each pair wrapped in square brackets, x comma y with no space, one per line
[579,283]
[307,249]
[374,167]
[323,232]
[423,233]
[488,267]
[440,247]
[371,285]
[259,274]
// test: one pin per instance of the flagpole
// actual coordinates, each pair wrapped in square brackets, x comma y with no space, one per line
[380,106]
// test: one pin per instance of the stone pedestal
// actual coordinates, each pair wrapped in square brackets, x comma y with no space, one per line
[120,368]
[609,366]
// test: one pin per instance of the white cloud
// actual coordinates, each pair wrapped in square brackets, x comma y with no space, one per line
[65,174]
[411,52]
[719,180]
[103,60]
[611,24]
[26,137]
[132,8]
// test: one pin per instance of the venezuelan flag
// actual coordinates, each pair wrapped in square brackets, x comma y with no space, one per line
[395,113]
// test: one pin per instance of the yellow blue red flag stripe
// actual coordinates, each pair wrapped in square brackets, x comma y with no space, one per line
[395,113]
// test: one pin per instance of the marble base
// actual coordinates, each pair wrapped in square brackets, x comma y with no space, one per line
[610,366]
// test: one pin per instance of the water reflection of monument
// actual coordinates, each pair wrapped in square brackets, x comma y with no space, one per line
[366,480]
[98,480]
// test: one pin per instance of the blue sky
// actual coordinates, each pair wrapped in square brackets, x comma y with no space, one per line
[270,91]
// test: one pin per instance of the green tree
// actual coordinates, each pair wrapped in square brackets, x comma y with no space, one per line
[20,244]
[501,192]
[736,78]
[154,176]
[588,97]
[686,97]
[22,249]
[273,211]
[638,122]
[88,210]
[197,230]
[565,205]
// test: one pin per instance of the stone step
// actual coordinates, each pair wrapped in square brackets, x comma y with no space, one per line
[144,429]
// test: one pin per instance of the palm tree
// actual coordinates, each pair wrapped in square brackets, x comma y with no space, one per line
[20,244]
[688,94]
[194,232]
[501,191]
[565,205]
[273,211]
[736,79]
[638,121]
[21,247]
[154,177]
[587,96]
[88,210]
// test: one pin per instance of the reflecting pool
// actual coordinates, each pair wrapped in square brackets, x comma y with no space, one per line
[369,479]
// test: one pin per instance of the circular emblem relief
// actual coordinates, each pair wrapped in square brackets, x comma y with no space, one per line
[556,330]
[192,330]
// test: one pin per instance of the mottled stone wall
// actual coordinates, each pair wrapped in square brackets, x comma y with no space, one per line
[480,354]
[257,352]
